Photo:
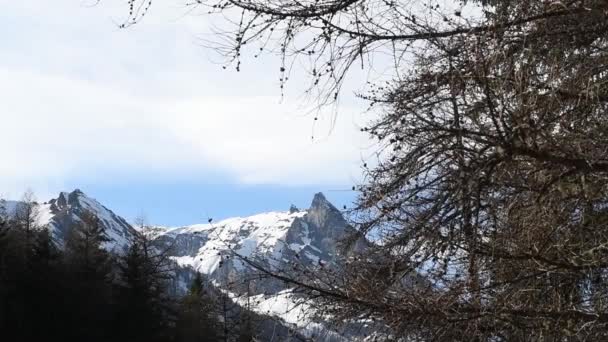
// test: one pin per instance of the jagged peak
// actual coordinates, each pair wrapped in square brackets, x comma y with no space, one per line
[319,201]
[68,198]
[78,199]
[74,196]
[324,214]
[61,201]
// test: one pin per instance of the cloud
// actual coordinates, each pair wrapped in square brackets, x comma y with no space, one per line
[263,141]
[82,100]
[56,128]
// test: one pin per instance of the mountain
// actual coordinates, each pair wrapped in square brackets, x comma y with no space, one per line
[308,237]
[67,209]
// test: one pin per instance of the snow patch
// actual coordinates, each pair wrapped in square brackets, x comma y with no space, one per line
[284,305]
[261,234]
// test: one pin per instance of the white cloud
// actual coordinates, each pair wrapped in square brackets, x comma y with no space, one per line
[266,142]
[83,100]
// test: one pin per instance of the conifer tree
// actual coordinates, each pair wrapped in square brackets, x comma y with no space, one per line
[198,315]
[143,303]
[44,289]
[4,269]
[88,279]
[17,240]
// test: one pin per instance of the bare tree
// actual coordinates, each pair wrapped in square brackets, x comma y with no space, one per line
[26,215]
[491,181]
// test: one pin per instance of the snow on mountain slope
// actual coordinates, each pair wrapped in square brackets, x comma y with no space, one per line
[304,237]
[261,234]
[295,238]
[307,235]
[69,207]
[290,308]
[62,213]
[43,211]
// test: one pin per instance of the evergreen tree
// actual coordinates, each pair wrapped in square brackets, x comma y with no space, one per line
[197,287]
[5,283]
[4,239]
[197,318]
[81,293]
[30,292]
[143,304]
[43,289]
[246,327]
[17,241]
[88,279]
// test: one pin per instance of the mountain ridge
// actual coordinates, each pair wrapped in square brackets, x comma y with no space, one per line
[308,237]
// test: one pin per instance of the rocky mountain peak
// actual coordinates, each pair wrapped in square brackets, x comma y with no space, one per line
[324,214]
[74,197]
[60,202]
[67,209]
[320,201]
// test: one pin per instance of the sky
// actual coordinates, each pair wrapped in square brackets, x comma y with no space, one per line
[147,121]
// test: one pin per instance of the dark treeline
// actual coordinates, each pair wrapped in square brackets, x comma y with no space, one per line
[79,292]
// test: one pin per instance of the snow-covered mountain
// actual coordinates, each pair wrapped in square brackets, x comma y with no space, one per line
[67,209]
[308,237]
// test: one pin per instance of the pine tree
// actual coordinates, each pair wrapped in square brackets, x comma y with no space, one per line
[246,328]
[197,287]
[17,241]
[4,238]
[89,276]
[31,296]
[144,308]
[43,288]
[5,284]
[197,319]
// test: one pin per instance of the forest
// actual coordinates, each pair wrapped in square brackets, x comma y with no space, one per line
[81,292]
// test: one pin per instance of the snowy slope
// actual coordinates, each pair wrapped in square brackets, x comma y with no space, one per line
[65,211]
[262,234]
[304,237]
[43,211]
[70,206]
[296,237]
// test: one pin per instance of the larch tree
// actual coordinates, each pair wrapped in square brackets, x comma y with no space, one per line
[89,278]
[492,175]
